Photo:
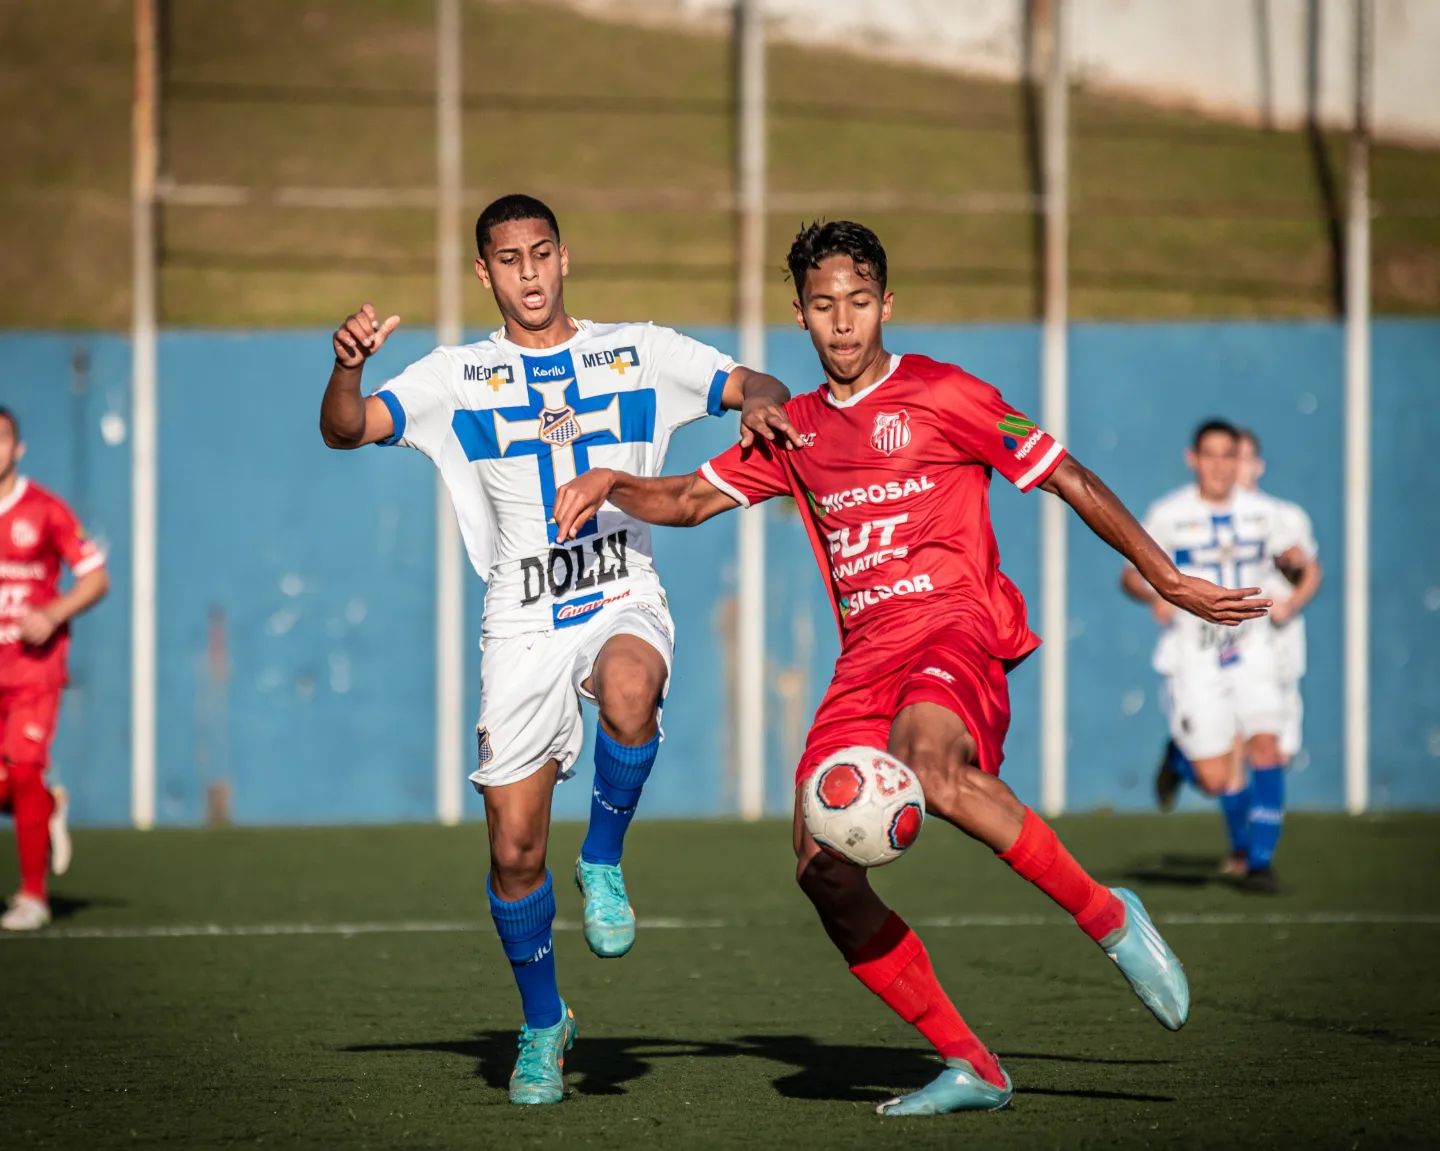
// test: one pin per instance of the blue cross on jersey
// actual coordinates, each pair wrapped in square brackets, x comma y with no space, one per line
[1225,555]
[557,427]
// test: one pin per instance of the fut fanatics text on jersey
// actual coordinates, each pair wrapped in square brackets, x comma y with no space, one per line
[894,487]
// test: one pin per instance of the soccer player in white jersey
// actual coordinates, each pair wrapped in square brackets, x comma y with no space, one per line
[1291,583]
[507,421]
[1222,688]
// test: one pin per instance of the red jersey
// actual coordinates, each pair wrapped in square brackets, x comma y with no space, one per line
[37,533]
[893,485]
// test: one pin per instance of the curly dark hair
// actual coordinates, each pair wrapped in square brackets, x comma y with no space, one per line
[818,240]
[516,206]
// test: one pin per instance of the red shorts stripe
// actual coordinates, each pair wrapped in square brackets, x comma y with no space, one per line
[877,679]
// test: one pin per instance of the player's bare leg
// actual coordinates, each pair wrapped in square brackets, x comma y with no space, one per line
[936,744]
[888,958]
[627,682]
[522,903]
[1266,795]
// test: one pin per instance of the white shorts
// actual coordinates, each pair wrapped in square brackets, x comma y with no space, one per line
[1209,708]
[530,689]
[1292,722]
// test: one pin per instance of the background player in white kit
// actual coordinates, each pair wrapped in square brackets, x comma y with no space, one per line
[508,420]
[1291,583]
[1222,687]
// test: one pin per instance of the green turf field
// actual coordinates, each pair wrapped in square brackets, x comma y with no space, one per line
[343,988]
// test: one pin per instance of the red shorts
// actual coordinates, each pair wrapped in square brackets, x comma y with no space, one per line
[27,723]
[882,674]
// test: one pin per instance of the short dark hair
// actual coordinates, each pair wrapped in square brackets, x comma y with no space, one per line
[8,414]
[819,241]
[1250,437]
[1225,427]
[515,206]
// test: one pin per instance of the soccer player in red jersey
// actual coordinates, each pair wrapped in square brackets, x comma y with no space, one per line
[37,533]
[889,462]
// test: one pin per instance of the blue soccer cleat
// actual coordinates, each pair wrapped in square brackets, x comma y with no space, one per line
[1154,971]
[609,918]
[538,1077]
[957,1088]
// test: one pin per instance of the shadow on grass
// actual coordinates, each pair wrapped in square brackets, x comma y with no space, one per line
[68,906]
[1180,871]
[598,1066]
[872,1074]
[837,1072]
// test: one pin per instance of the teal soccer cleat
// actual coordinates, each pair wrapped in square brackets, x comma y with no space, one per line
[609,918]
[538,1077]
[1154,971]
[957,1088]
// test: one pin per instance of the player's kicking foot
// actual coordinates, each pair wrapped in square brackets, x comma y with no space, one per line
[1167,780]
[609,918]
[957,1088]
[60,849]
[1234,865]
[1260,881]
[1154,971]
[539,1072]
[25,913]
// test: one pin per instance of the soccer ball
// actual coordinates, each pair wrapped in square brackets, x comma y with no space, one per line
[864,805]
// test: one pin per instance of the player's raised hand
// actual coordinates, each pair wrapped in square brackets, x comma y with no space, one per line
[764,417]
[578,501]
[361,336]
[1222,605]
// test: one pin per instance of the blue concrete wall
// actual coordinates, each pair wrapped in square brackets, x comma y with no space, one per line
[296,599]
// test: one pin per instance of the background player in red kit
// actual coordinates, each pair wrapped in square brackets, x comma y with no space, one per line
[890,465]
[37,533]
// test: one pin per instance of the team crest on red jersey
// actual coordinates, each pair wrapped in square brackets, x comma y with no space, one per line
[24,534]
[892,432]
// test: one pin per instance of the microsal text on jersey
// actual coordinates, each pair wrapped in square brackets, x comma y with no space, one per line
[875,493]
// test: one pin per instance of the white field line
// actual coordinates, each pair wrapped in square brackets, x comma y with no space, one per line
[457,927]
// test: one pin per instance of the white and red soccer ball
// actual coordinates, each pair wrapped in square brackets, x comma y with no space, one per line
[864,805]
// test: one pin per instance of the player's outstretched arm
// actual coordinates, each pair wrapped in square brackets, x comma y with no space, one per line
[38,624]
[1111,520]
[679,501]
[348,419]
[760,399]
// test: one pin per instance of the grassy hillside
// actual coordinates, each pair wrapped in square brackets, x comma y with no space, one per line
[1174,216]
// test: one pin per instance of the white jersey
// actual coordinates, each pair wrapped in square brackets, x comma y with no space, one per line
[1295,531]
[1234,546]
[507,426]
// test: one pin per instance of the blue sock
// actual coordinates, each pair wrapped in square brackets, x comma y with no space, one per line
[1236,806]
[620,774]
[524,928]
[1180,763]
[1267,813]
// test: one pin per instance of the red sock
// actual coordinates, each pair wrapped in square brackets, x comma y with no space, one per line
[33,805]
[1039,856]
[895,966]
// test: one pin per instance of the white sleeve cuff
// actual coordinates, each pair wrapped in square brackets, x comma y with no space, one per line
[1042,468]
[729,489]
[91,563]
